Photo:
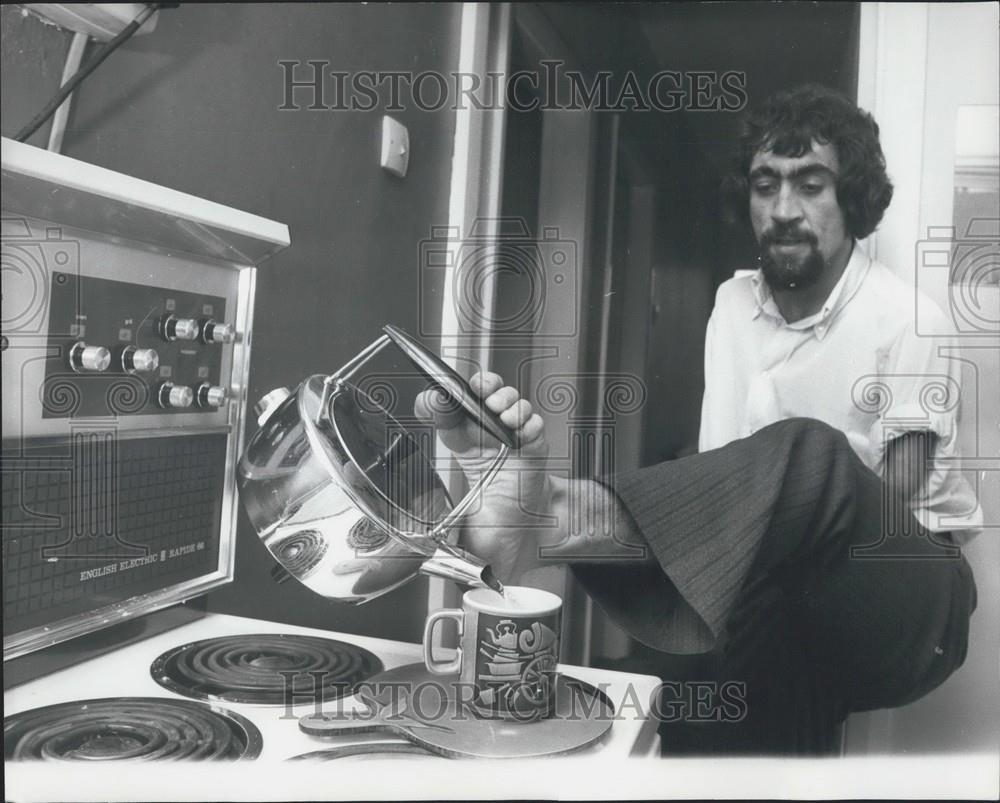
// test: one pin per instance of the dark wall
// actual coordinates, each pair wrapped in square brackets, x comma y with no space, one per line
[31,57]
[776,46]
[194,106]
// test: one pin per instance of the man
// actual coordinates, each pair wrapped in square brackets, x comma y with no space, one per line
[822,331]
[747,552]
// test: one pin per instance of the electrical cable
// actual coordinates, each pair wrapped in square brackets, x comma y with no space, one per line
[92,64]
[73,60]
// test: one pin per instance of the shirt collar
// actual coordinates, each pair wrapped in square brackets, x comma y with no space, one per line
[842,293]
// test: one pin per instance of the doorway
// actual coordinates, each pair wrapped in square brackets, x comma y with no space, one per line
[637,193]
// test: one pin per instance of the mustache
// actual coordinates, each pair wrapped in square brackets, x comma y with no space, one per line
[781,233]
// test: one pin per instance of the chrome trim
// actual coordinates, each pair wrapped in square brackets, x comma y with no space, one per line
[238,380]
[95,198]
[348,369]
[332,386]
[37,638]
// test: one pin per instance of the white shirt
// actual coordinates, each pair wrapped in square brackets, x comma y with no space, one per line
[858,364]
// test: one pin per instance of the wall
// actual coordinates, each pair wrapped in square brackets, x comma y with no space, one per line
[31,57]
[913,80]
[194,106]
[967,708]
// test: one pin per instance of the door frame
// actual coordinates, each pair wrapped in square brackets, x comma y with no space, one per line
[475,193]
[892,56]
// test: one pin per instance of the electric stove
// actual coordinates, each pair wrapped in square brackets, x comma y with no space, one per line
[130,321]
[259,678]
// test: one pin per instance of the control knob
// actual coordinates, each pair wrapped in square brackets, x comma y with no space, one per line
[136,360]
[210,395]
[171,395]
[174,328]
[88,358]
[212,331]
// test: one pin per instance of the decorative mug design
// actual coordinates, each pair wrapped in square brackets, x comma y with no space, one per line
[509,650]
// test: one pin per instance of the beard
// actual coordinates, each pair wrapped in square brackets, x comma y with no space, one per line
[783,271]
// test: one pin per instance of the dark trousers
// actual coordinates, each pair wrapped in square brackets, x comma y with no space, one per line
[780,542]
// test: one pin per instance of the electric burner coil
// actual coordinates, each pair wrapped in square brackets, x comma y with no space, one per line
[301,553]
[265,669]
[130,728]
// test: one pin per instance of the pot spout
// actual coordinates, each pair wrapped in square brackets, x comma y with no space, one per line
[462,567]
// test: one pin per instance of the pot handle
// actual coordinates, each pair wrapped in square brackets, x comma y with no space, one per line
[452,383]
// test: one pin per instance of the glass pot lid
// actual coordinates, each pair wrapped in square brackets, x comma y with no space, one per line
[380,463]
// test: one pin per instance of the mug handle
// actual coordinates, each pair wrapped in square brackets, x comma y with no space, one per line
[442,667]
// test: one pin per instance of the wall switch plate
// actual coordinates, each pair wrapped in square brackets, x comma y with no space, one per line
[395,147]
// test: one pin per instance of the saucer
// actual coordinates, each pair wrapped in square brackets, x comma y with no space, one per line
[424,708]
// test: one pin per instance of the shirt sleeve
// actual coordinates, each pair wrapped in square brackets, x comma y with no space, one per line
[918,390]
[707,437]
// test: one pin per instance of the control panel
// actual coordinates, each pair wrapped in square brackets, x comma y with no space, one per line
[127,317]
[122,373]
[117,332]
[122,348]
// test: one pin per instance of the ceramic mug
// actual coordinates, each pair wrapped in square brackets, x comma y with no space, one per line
[509,648]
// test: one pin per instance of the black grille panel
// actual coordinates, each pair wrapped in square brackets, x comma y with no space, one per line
[100,519]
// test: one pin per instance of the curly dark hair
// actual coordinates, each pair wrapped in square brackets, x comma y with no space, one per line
[787,124]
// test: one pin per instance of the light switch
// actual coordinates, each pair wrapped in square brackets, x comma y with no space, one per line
[395,147]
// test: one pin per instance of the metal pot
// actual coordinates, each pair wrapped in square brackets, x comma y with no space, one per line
[342,494]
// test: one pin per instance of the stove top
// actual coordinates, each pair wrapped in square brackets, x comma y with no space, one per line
[138,728]
[369,751]
[265,669]
[125,673]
